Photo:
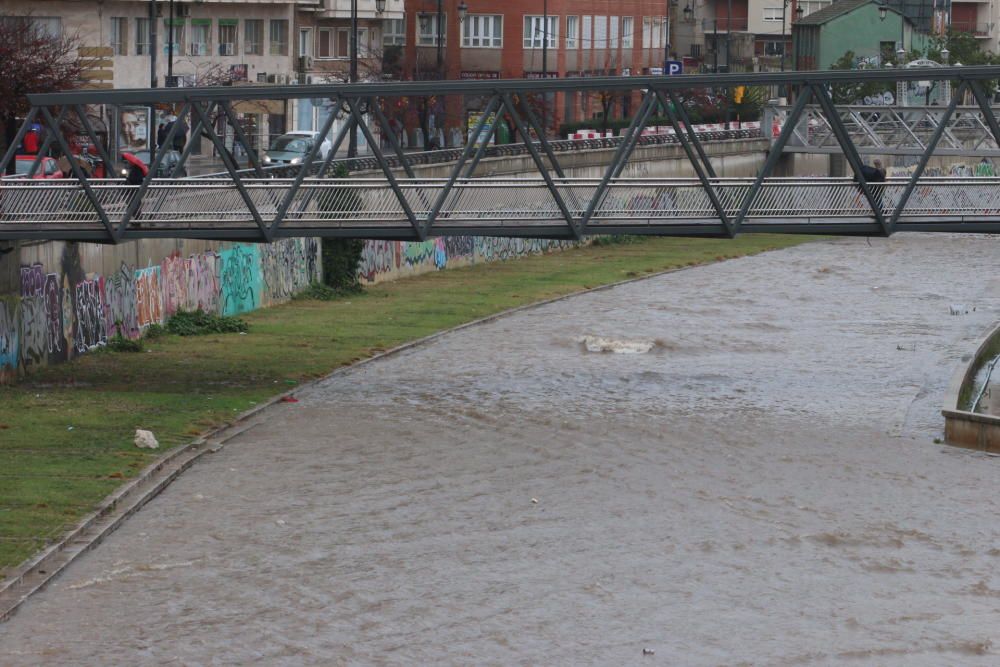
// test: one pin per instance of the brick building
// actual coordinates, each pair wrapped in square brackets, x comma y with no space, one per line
[504,39]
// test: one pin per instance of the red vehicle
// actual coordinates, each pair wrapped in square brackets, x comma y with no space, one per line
[49,168]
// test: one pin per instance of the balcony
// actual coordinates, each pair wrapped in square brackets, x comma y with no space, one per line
[725,24]
[341,9]
[976,29]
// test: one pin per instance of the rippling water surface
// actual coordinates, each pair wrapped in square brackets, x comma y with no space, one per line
[755,483]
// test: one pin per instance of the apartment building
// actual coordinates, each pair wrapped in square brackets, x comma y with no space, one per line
[216,42]
[740,35]
[501,39]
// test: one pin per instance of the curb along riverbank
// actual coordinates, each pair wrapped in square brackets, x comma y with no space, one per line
[34,574]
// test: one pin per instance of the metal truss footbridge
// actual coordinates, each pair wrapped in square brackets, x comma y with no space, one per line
[315,199]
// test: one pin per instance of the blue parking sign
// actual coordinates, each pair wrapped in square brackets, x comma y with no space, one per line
[673,67]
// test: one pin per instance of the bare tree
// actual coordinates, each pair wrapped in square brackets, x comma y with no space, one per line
[33,61]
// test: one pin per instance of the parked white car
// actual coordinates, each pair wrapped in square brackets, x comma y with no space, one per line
[294,147]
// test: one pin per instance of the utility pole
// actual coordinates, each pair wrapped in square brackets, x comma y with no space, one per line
[352,142]
[170,47]
[545,58]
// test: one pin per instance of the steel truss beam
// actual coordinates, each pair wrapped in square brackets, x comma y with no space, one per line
[510,86]
[625,149]
[698,167]
[508,103]
[931,145]
[851,153]
[773,156]
[232,168]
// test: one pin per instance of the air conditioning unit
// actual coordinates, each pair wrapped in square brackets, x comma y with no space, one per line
[227,49]
[282,79]
[305,63]
[197,49]
[272,78]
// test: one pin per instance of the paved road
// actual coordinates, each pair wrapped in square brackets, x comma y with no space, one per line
[761,487]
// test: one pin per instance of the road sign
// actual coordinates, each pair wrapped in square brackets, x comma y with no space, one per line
[674,67]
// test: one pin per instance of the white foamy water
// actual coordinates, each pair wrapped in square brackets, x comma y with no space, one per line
[760,487]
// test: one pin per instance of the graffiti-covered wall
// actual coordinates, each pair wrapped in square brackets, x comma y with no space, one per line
[388,260]
[70,302]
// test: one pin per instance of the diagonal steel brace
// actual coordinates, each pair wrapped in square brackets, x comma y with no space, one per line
[851,153]
[540,165]
[80,176]
[713,196]
[233,170]
[931,145]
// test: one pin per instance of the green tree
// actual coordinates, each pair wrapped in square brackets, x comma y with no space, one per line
[851,92]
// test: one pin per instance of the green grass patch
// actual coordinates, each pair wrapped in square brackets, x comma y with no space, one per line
[66,431]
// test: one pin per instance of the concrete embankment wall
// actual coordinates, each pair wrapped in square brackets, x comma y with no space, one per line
[58,300]
[63,299]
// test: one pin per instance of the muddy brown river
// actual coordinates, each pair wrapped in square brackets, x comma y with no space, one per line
[750,479]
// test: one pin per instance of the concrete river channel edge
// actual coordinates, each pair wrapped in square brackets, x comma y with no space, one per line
[732,464]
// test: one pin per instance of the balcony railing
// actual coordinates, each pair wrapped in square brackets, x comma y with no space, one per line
[975,28]
[725,24]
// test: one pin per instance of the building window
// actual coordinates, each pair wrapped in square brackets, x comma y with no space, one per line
[572,32]
[342,47]
[119,41]
[535,31]
[654,32]
[364,50]
[600,32]
[482,31]
[586,39]
[253,37]
[279,37]
[628,32]
[336,43]
[178,38]
[427,36]
[48,25]
[201,36]
[615,35]
[810,6]
[305,41]
[774,48]
[394,32]
[142,37]
[324,45]
[228,37]
[772,14]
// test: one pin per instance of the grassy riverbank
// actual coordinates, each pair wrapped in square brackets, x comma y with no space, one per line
[66,431]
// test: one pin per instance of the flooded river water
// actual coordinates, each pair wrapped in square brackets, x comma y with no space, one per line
[756,482]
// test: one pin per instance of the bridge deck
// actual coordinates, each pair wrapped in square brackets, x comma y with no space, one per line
[366,208]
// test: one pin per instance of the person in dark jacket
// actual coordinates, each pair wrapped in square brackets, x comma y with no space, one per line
[873,175]
[161,135]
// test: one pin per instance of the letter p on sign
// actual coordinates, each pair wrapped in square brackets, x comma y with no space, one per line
[674,67]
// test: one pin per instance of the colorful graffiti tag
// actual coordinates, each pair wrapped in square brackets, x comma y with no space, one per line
[60,313]
[385,260]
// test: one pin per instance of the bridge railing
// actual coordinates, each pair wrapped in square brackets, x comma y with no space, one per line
[515,206]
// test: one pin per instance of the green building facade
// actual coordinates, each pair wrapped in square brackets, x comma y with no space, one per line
[823,37]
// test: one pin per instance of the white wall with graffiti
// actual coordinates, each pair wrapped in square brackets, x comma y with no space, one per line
[388,260]
[70,299]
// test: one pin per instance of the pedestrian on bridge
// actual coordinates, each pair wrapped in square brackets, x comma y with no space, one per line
[873,174]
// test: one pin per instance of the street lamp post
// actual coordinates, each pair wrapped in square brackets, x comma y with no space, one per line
[798,15]
[545,39]
[352,76]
